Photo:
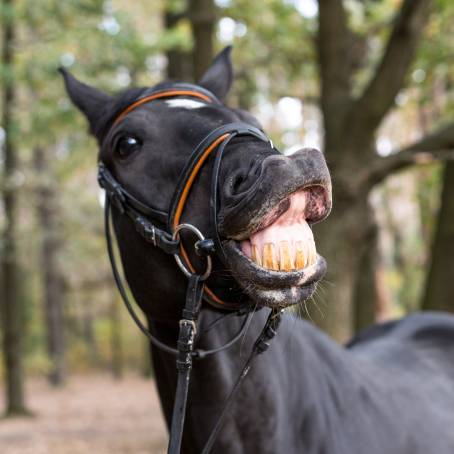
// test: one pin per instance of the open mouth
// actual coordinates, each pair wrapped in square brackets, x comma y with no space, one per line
[278,264]
[287,244]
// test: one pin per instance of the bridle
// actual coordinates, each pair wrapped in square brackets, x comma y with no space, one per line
[145,218]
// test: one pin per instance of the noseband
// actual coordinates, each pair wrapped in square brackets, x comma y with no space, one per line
[145,218]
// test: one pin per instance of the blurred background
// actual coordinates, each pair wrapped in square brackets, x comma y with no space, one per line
[368,81]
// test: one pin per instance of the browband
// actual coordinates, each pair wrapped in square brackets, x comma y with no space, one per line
[177,89]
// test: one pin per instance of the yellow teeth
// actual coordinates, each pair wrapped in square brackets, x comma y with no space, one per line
[256,255]
[269,257]
[300,259]
[286,260]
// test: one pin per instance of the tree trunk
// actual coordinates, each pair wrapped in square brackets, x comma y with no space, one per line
[439,292]
[365,301]
[179,62]
[203,22]
[350,124]
[53,281]
[88,330]
[337,241]
[116,338]
[12,316]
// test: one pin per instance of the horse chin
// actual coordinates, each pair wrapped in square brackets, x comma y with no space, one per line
[273,288]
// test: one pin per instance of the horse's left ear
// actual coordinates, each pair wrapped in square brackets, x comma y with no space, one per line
[89,100]
[219,76]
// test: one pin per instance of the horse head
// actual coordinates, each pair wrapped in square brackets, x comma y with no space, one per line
[266,202]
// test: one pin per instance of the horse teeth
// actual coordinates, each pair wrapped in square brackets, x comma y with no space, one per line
[300,256]
[269,257]
[286,260]
[256,255]
[284,255]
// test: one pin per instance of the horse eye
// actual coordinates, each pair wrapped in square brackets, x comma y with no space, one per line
[127,145]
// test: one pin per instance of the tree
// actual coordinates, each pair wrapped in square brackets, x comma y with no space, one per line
[53,280]
[202,14]
[350,123]
[116,340]
[439,292]
[12,317]
[179,59]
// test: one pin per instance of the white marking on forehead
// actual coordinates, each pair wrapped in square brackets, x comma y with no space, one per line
[185,103]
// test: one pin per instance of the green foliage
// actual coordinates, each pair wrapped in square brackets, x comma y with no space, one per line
[116,44]
[288,66]
[113,45]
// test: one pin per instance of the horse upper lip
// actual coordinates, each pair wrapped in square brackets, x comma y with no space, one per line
[243,213]
[266,215]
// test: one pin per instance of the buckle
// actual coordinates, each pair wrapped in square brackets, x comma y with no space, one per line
[146,229]
[191,323]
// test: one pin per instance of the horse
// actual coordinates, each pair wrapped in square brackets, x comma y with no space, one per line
[390,390]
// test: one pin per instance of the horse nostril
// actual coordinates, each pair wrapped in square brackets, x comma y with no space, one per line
[237,182]
[243,179]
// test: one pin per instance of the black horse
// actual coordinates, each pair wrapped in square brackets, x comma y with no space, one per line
[390,391]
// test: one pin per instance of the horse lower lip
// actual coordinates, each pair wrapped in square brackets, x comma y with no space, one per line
[249,272]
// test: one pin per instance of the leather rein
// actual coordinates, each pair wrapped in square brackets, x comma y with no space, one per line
[145,217]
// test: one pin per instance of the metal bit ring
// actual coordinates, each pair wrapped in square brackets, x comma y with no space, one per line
[178,259]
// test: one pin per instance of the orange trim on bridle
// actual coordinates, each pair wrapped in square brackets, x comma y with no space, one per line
[162,94]
[182,201]
[195,171]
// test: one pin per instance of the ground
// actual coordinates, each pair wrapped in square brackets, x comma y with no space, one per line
[92,414]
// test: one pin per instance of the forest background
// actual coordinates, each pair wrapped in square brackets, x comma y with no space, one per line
[368,81]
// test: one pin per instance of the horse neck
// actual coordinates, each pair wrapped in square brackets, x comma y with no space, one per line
[303,375]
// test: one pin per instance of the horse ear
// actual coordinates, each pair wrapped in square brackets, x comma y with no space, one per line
[89,100]
[219,76]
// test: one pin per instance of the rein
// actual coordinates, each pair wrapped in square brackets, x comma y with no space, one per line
[168,240]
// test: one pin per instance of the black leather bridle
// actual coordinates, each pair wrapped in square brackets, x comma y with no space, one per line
[145,218]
